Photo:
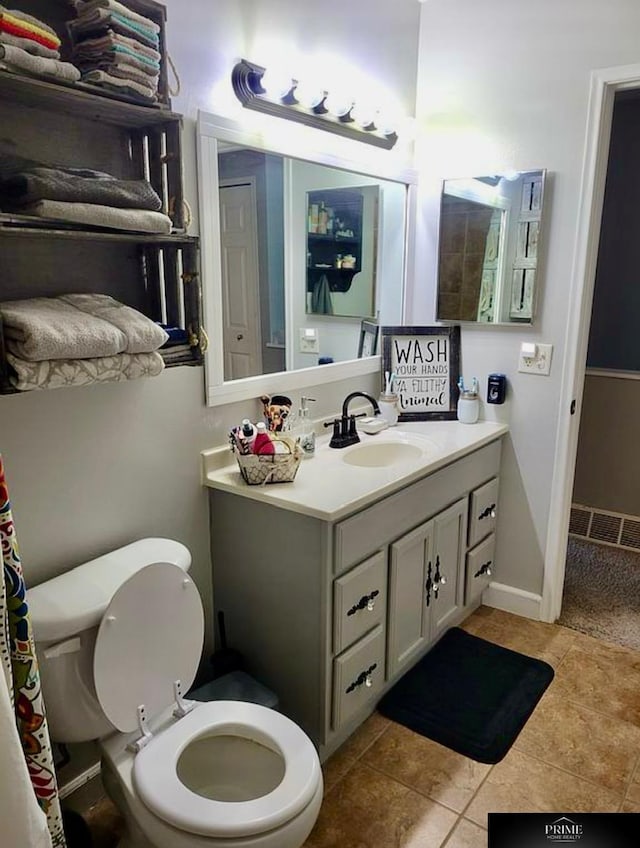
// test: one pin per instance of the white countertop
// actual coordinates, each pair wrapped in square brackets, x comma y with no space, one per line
[328,488]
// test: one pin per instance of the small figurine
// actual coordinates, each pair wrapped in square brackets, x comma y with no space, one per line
[276,411]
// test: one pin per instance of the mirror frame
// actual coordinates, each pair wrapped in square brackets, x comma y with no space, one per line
[212,128]
[539,279]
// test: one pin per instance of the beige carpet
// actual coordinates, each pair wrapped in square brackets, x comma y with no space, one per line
[602,592]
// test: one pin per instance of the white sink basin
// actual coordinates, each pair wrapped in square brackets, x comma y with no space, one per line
[382,454]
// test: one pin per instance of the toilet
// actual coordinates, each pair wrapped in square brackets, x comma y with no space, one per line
[118,640]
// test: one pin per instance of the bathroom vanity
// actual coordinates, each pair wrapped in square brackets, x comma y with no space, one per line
[334,585]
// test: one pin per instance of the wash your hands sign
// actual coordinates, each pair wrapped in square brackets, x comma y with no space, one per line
[426,365]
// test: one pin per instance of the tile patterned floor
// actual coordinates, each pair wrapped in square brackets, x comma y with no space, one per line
[388,787]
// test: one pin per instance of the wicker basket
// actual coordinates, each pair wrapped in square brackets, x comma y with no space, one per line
[270,468]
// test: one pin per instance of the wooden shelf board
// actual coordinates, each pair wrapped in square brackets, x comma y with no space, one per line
[82,100]
[26,226]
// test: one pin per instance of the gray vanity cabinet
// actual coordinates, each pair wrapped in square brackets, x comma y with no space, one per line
[329,614]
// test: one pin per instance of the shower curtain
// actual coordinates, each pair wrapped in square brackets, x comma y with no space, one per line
[29,804]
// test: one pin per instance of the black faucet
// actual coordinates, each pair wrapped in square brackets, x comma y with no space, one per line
[344,428]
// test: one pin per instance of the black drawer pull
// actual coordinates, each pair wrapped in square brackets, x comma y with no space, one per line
[484,569]
[363,677]
[366,602]
[489,512]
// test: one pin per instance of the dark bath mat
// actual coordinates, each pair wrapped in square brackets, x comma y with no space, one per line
[468,694]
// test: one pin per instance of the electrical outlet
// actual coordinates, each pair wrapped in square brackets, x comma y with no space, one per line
[539,363]
[309,340]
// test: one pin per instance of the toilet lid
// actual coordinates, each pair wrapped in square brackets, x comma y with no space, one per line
[150,636]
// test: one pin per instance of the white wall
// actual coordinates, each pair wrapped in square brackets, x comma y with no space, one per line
[504,85]
[92,468]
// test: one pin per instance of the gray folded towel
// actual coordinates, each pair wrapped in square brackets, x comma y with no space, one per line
[143,335]
[85,8]
[77,185]
[48,328]
[95,215]
[77,326]
[126,86]
[59,373]
[15,58]
[30,46]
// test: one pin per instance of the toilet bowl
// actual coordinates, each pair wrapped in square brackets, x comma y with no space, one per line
[118,644]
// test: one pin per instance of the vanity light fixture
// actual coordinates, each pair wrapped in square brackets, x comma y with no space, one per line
[319,112]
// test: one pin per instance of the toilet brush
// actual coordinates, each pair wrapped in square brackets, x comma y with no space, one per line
[225,659]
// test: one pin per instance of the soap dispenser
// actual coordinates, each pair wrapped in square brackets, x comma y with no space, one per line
[304,429]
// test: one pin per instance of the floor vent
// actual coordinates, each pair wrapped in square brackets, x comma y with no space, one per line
[607,528]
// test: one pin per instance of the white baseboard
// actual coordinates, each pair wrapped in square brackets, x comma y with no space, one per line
[511,599]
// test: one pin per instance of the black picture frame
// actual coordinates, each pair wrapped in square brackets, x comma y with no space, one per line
[426,365]
[368,344]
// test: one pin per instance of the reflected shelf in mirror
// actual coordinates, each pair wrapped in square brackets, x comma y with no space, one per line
[264,260]
[489,248]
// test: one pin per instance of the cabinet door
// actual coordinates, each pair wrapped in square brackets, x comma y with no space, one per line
[450,530]
[410,561]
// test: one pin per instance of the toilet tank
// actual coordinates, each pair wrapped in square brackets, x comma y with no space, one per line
[65,614]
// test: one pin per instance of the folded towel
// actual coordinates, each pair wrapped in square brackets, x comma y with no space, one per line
[111,42]
[77,185]
[29,45]
[123,86]
[25,26]
[23,17]
[101,20]
[77,326]
[95,215]
[48,328]
[17,59]
[58,373]
[83,8]
[143,335]
[124,70]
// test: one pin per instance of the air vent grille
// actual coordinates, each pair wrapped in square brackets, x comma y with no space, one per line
[608,528]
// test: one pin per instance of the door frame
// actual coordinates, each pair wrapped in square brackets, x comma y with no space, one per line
[604,85]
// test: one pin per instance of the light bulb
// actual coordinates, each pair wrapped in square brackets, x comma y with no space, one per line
[386,122]
[338,104]
[276,83]
[363,114]
[308,94]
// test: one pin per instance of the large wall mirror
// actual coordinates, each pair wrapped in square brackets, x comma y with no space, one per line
[297,254]
[489,248]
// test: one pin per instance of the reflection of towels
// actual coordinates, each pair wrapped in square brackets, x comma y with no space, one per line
[14,58]
[321,297]
[95,215]
[58,373]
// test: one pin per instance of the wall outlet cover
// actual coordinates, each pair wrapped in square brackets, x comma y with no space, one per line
[538,364]
[309,342]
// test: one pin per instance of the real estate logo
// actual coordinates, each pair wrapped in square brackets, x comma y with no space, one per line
[563,830]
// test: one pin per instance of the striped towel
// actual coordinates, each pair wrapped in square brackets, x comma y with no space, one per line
[17,23]
[29,45]
[121,44]
[112,5]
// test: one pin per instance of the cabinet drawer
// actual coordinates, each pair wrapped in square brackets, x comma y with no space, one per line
[358,676]
[484,504]
[479,568]
[359,601]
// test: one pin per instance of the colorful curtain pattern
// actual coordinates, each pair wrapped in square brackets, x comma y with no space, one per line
[21,670]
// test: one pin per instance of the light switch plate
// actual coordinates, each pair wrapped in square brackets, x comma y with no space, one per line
[309,340]
[538,364]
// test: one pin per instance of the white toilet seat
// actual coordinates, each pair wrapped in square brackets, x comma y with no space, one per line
[161,790]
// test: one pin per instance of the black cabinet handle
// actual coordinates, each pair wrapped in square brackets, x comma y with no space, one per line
[363,678]
[428,585]
[366,602]
[484,569]
[489,512]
